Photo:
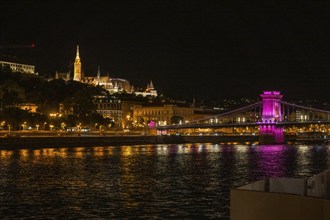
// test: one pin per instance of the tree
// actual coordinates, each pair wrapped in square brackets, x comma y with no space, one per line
[11,92]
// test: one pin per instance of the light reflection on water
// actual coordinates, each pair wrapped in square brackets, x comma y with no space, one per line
[143,181]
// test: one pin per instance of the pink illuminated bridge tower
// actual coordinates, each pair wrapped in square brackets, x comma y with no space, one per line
[270,131]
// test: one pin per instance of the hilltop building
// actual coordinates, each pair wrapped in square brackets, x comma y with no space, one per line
[150,91]
[18,67]
[112,85]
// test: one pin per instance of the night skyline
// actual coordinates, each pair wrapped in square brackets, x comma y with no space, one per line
[189,49]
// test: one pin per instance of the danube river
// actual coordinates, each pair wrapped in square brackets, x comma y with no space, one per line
[185,181]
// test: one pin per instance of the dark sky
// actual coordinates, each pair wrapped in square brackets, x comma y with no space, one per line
[202,49]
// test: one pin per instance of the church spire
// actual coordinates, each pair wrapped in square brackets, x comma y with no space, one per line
[151,86]
[98,72]
[77,54]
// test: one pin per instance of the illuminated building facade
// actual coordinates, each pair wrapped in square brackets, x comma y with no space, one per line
[112,85]
[109,107]
[150,91]
[30,107]
[19,67]
[163,115]
[119,110]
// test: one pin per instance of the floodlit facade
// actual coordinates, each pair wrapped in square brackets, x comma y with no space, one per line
[109,108]
[19,67]
[162,115]
[30,107]
[112,85]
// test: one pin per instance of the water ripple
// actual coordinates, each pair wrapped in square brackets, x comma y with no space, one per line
[142,181]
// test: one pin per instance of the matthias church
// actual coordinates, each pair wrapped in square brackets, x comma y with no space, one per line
[112,85]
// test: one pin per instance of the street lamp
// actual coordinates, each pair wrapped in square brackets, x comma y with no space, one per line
[37,127]
[2,125]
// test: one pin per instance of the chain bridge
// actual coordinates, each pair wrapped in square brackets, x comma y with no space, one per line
[271,117]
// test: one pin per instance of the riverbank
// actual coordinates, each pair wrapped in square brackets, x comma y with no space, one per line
[33,141]
[76,141]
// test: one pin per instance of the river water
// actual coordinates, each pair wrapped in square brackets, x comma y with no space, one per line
[188,181]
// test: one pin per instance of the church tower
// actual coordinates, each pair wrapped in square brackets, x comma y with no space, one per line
[77,67]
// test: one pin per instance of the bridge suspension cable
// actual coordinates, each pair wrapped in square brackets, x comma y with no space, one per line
[257,104]
[304,107]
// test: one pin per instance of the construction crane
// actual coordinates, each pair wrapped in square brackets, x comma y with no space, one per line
[16,46]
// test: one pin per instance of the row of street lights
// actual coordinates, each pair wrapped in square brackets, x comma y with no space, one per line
[24,126]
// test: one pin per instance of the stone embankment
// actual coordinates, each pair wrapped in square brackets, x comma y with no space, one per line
[15,142]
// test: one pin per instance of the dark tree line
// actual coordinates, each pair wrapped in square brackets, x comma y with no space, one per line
[17,88]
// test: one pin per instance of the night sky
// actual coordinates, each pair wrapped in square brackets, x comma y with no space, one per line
[189,49]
